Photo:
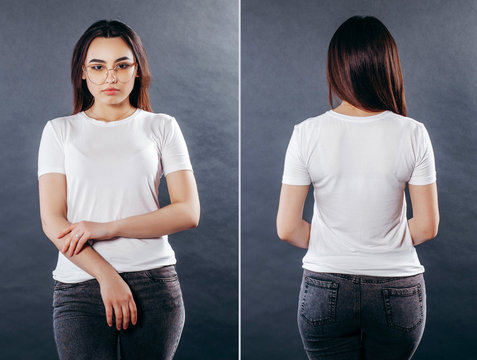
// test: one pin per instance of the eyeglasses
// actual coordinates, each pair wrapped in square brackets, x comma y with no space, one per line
[98,74]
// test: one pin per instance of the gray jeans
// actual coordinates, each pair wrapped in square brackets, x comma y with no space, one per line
[351,317]
[81,330]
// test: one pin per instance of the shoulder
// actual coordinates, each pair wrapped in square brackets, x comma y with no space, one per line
[162,127]
[158,121]
[409,127]
[60,126]
[309,128]
[63,121]
[405,121]
[313,122]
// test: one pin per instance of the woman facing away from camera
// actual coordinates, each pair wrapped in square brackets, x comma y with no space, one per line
[99,172]
[362,294]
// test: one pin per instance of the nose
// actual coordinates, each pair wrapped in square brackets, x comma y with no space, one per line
[111,76]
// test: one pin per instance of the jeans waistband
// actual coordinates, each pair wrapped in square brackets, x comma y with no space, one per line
[361,279]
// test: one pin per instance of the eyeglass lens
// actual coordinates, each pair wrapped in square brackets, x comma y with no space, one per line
[98,74]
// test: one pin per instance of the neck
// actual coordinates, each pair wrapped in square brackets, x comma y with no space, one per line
[110,112]
[346,108]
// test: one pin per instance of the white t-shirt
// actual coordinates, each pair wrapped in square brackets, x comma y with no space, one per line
[113,171]
[359,167]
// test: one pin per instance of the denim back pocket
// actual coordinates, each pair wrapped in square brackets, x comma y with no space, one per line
[318,302]
[404,308]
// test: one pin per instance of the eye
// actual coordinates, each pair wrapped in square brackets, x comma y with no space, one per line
[123,66]
[97,67]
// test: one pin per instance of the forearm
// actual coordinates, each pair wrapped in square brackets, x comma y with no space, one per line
[298,236]
[425,221]
[88,259]
[167,220]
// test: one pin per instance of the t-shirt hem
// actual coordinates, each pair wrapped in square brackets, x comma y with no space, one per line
[294,181]
[178,168]
[48,171]
[84,276]
[423,181]
[365,272]
[395,263]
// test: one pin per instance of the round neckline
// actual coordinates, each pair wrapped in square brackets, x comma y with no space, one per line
[358,119]
[110,123]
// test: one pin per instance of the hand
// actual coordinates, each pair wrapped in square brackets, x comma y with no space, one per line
[118,299]
[77,234]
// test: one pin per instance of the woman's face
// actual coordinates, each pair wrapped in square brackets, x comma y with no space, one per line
[108,53]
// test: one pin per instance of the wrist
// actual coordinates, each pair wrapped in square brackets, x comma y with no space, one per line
[113,229]
[105,273]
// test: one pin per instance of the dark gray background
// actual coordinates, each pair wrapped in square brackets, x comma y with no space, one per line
[193,52]
[283,54]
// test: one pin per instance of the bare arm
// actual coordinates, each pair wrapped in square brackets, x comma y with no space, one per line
[181,214]
[115,292]
[290,224]
[425,221]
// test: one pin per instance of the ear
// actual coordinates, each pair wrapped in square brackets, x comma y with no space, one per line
[83,75]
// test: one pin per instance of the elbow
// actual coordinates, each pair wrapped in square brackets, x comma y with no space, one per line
[283,236]
[428,234]
[48,231]
[434,231]
[193,218]
[44,226]
[285,233]
[194,222]
[425,233]
[286,226]
[432,228]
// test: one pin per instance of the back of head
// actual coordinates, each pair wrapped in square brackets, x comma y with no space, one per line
[363,66]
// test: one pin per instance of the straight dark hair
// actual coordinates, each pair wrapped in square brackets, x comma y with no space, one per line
[363,66]
[139,96]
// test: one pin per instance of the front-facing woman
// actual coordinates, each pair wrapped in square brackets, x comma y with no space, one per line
[362,294]
[99,172]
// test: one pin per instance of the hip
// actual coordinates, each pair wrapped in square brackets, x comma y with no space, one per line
[150,288]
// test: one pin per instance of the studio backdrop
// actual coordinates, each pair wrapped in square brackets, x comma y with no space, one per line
[192,48]
[283,66]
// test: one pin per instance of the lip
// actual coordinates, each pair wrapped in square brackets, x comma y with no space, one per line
[110,91]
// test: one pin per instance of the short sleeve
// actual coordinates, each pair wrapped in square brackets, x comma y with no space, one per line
[425,170]
[295,171]
[174,149]
[51,157]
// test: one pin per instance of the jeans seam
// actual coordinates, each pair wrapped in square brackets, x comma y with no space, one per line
[163,280]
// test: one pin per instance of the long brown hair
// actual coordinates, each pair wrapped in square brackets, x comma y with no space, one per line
[139,96]
[363,66]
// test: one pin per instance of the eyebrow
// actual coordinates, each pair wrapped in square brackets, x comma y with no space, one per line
[104,62]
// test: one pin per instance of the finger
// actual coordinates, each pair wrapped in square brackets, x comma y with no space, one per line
[66,231]
[66,245]
[118,314]
[109,314]
[81,242]
[126,316]
[133,311]
[73,242]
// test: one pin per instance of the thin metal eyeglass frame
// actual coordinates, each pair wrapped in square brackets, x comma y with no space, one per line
[115,73]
